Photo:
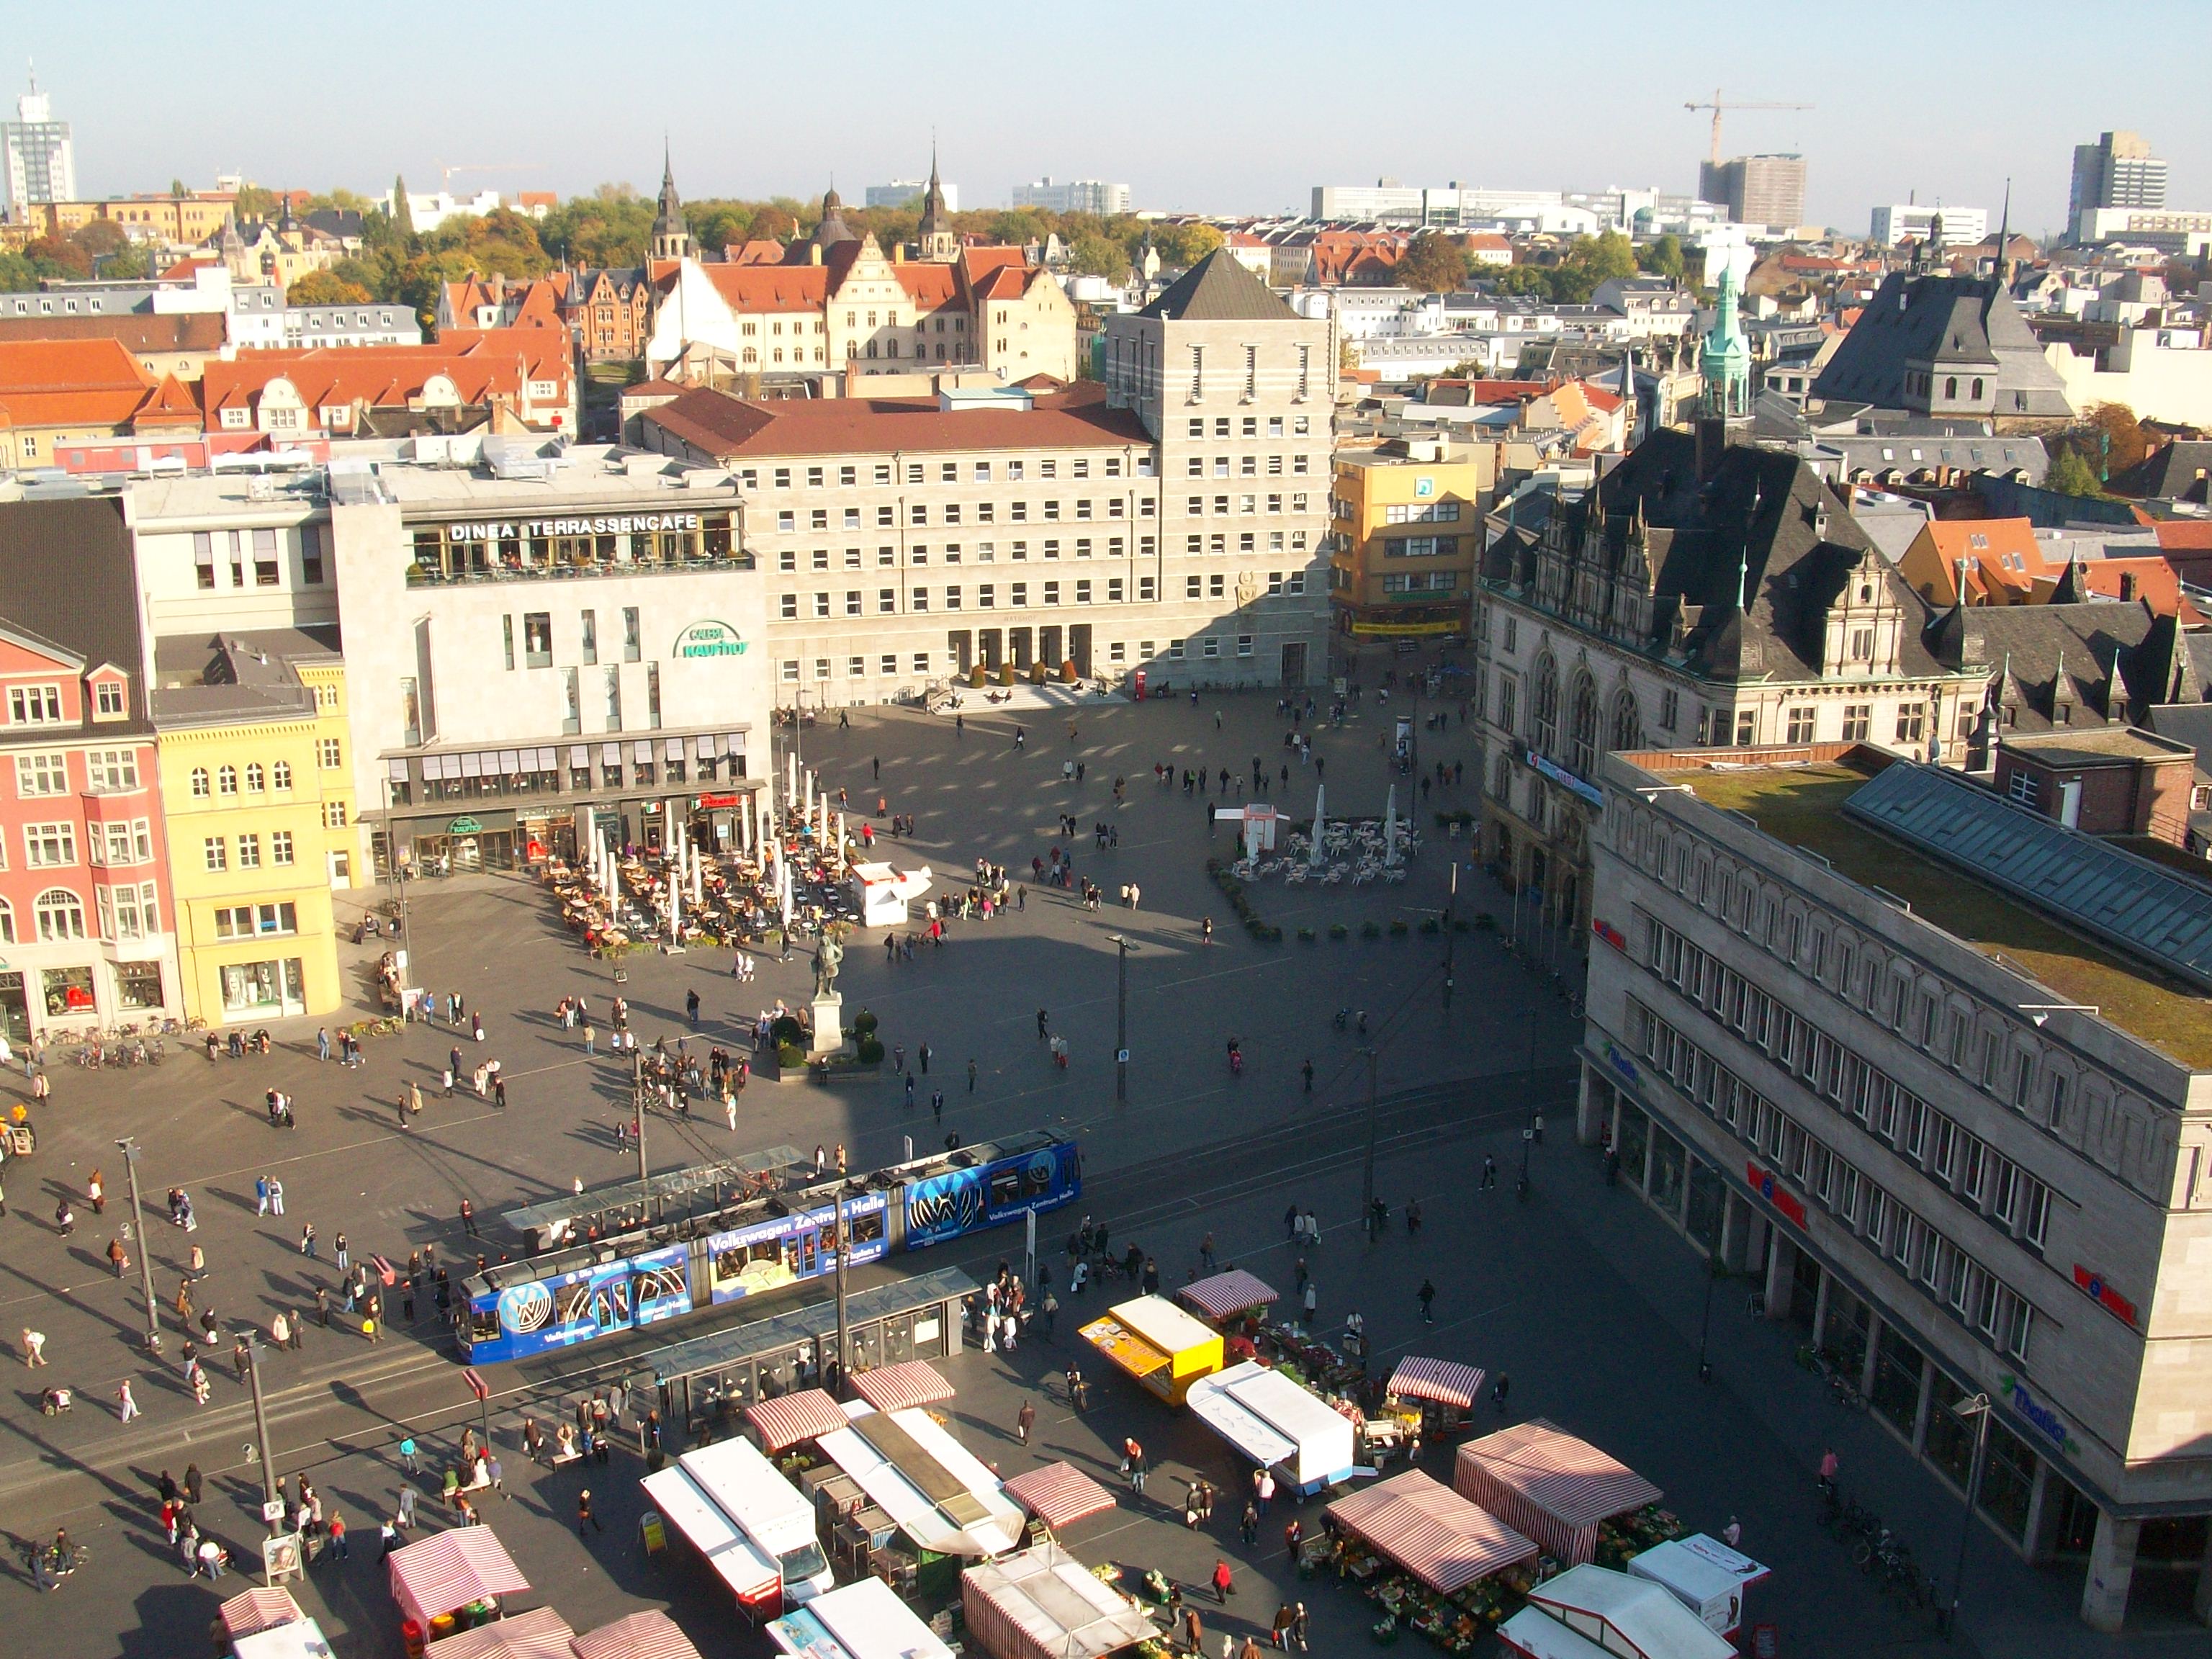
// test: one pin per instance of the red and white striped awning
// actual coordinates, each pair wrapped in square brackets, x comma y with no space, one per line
[1550,1484]
[540,1633]
[649,1635]
[899,1387]
[1440,1380]
[450,1569]
[1432,1531]
[1224,1295]
[259,1610]
[789,1419]
[1059,1494]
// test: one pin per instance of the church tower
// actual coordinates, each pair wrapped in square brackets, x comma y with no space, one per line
[671,237]
[939,242]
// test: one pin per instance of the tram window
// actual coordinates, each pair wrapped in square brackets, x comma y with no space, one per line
[1005,1187]
[483,1324]
[867,1229]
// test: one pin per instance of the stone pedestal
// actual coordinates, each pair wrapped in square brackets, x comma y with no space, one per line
[829,1023]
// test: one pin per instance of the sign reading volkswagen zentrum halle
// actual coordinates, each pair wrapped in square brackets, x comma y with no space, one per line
[709,639]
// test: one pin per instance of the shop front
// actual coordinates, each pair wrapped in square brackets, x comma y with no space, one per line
[50,998]
[466,845]
[266,989]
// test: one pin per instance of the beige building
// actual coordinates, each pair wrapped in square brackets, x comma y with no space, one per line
[1238,392]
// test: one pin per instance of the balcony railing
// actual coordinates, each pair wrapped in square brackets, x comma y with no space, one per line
[422,575]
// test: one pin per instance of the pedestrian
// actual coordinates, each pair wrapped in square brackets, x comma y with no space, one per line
[1133,1464]
[591,1048]
[323,1306]
[1488,1173]
[584,1515]
[275,1196]
[64,1218]
[691,1008]
[34,1348]
[1193,1634]
[1428,1295]
[127,1406]
[1312,1301]
[469,1220]
[922,1055]
[1224,1585]
[1499,1390]
[1732,1534]
[193,1485]
[1248,1527]
[322,1042]
[118,1257]
[307,1240]
[95,1194]
[1285,1616]
[345,1256]
[1263,1487]
[1412,1215]
[338,1531]
[1206,1253]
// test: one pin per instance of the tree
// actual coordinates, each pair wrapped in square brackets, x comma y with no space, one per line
[16,275]
[1183,245]
[1528,282]
[1096,255]
[1434,264]
[2072,475]
[254,203]
[325,288]
[177,188]
[402,212]
[1589,261]
[51,256]
[1663,257]
[2111,438]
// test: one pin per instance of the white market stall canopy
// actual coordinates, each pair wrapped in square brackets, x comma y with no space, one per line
[1274,1421]
[866,1619]
[937,1491]
[736,1559]
[1705,1576]
[885,892]
[1623,1615]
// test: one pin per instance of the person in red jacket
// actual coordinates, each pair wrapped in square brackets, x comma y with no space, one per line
[1222,1587]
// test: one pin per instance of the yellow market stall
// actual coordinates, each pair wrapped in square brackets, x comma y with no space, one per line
[1158,1343]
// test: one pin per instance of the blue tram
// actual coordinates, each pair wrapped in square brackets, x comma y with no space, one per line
[666,1271]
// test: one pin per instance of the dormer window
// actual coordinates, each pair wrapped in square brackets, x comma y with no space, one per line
[111,700]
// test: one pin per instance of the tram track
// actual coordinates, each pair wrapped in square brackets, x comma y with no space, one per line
[1302,1147]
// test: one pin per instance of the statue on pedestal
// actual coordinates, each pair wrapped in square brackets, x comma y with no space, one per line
[827,957]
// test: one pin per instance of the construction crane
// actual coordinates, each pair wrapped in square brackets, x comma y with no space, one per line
[1717,106]
[446,174]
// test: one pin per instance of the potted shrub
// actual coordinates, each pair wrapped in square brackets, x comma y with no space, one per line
[1037,673]
[1007,674]
[870,1051]
[975,676]
[788,1033]
[1338,930]
[1306,936]
[1369,930]
[864,1023]
[790,1056]
[1067,672]
[1430,925]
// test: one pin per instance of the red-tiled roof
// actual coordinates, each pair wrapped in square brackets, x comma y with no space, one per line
[730,429]
[482,363]
[170,404]
[2183,535]
[139,331]
[751,288]
[70,383]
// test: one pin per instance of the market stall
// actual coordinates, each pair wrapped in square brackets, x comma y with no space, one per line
[1451,1387]
[935,1490]
[886,893]
[1234,1302]
[1060,1495]
[1430,1531]
[866,1619]
[259,1609]
[1704,1575]
[540,1633]
[747,1521]
[303,1639]
[1591,1612]
[1045,1604]
[1542,1480]
[1276,1424]
[649,1635]
[914,1383]
[792,1419]
[453,1580]
[1158,1343]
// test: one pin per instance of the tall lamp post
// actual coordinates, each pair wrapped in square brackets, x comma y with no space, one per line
[637,1117]
[1977,1408]
[1122,947]
[1705,1323]
[1367,1211]
[130,1155]
[269,1507]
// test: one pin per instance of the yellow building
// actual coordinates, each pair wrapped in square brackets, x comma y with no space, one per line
[1406,536]
[251,730]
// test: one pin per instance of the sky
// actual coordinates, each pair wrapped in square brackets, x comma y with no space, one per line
[1218,106]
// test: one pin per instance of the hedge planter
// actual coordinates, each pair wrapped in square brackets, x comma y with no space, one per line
[1370,930]
[1337,930]
[1306,936]
[1399,930]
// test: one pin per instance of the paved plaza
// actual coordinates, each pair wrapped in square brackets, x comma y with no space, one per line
[1580,1293]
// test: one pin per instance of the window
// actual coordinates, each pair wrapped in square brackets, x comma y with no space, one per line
[633,640]
[199,783]
[48,774]
[35,705]
[48,846]
[257,779]
[109,700]
[311,554]
[265,558]
[334,815]
[280,846]
[1800,725]
[1858,720]
[920,600]
[216,852]
[249,852]
[203,556]
[61,915]
[1911,720]
[245,921]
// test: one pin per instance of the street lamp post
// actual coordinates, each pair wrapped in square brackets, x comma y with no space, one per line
[130,1155]
[1977,1408]
[844,1332]
[1705,1323]
[1451,908]
[1367,1213]
[268,1457]
[638,1118]
[1122,1018]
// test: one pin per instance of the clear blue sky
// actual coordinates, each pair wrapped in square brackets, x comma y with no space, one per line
[1212,105]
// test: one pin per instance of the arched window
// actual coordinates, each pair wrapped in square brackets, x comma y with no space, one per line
[282,772]
[1950,388]
[61,915]
[1501,777]
[1627,723]
[1547,704]
[7,922]
[1977,390]
[254,779]
[1583,728]
[199,782]
[872,348]
[226,779]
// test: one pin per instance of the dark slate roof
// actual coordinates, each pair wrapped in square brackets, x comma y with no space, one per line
[66,575]
[1941,319]
[2186,722]
[1766,521]
[1217,290]
[214,679]
[2028,647]
[2178,472]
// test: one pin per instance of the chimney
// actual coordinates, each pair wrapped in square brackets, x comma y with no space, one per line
[814,254]
[2128,585]
[1712,441]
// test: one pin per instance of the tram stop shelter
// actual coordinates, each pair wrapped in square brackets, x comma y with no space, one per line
[1045,1604]
[649,1635]
[697,1189]
[707,1381]
[449,1571]
[863,1620]
[1542,1480]
[1059,1495]
[1430,1531]
[1594,1612]
[540,1633]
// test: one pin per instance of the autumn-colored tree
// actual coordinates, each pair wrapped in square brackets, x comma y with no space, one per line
[1094,254]
[2110,438]
[327,288]
[57,256]
[1433,264]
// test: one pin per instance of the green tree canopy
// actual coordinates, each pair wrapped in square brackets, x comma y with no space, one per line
[1095,254]
[2072,475]
[1663,257]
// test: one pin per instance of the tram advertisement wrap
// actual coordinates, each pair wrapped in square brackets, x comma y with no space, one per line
[945,1205]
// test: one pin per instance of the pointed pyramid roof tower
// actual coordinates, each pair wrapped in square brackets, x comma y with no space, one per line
[939,242]
[1219,289]
[671,236]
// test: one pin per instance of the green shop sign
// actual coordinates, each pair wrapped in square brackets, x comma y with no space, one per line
[709,639]
[464,826]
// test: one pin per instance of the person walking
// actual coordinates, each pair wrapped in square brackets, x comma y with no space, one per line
[1224,1585]
[95,1194]
[126,1405]
[1312,1301]
[34,1348]
[1499,1390]
[345,1256]
[1133,1464]
[1428,1295]
[922,1055]
[469,1220]
[1248,1528]
[275,1196]
[118,1257]
[1025,1420]
[261,1196]
[337,1535]
[971,1076]
[591,1041]
[584,1515]
[307,1240]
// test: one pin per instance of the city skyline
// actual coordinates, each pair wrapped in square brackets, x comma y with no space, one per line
[1873,138]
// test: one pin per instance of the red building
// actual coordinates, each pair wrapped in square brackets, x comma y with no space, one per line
[86,933]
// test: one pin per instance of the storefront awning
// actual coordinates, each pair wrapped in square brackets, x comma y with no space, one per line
[1224,1295]
[1059,1494]
[1441,1380]
[1432,1531]
[450,1569]
[897,1388]
[790,1418]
